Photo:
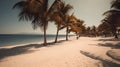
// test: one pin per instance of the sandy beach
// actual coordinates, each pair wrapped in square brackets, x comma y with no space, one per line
[60,33]
[84,52]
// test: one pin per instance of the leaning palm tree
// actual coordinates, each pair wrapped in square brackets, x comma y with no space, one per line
[67,25]
[36,11]
[75,25]
[56,17]
[64,9]
[60,16]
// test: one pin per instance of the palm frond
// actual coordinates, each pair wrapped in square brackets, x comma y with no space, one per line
[115,4]
[58,18]
[111,12]
[20,4]
[54,6]
[25,15]
[37,22]
[67,8]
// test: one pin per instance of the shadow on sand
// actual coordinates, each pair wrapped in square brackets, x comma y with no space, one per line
[6,52]
[110,39]
[113,46]
[111,54]
[105,62]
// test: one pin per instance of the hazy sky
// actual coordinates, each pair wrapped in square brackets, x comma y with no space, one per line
[88,10]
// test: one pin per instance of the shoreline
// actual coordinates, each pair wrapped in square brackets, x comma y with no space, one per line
[37,42]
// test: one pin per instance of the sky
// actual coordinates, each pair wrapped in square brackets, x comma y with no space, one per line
[88,10]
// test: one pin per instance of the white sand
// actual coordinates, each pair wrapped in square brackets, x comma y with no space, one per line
[65,54]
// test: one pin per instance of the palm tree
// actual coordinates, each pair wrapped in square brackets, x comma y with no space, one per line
[113,16]
[56,17]
[83,30]
[67,24]
[88,31]
[36,11]
[80,26]
[71,25]
[65,8]
[93,30]
[60,16]
[104,28]
[75,25]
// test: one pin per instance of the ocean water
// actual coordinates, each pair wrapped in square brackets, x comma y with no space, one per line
[10,39]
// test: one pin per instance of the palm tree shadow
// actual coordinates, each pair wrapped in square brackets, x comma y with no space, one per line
[48,44]
[110,53]
[105,62]
[18,50]
[111,45]
[110,39]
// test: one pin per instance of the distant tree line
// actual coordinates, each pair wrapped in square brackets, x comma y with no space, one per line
[110,25]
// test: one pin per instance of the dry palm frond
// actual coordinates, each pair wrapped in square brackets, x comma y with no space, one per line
[115,4]
[109,12]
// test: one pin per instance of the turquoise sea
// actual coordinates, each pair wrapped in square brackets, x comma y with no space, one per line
[13,39]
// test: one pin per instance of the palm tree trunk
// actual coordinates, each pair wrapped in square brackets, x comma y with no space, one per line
[118,32]
[114,31]
[57,34]
[67,34]
[45,41]
[115,34]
